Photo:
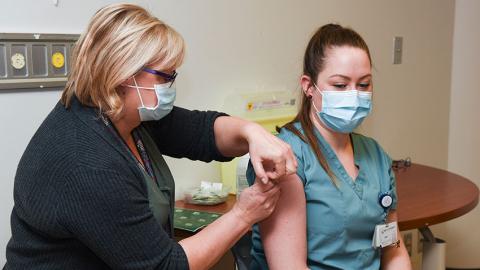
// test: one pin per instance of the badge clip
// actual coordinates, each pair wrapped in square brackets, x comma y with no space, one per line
[385,200]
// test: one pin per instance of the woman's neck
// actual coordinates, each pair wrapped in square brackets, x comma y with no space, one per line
[124,127]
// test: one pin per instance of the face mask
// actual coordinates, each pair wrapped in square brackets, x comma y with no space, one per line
[165,96]
[343,111]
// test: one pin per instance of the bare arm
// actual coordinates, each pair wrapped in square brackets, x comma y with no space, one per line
[271,157]
[205,248]
[230,133]
[393,257]
[287,224]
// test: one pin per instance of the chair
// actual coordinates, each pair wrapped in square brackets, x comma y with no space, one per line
[241,252]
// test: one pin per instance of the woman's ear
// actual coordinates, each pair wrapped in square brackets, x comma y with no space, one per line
[128,81]
[307,85]
[122,90]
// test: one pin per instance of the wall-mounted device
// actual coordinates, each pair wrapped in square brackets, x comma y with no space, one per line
[397,50]
[34,60]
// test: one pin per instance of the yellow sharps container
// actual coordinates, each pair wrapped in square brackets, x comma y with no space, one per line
[269,109]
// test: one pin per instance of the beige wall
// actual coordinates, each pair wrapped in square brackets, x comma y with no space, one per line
[462,234]
[411,100]
[257,45]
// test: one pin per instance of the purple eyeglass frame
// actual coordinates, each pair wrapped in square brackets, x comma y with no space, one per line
[169,77]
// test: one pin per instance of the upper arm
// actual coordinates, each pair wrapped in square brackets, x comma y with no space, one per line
[185,133]
[296,146]
[287,224]
[109,213]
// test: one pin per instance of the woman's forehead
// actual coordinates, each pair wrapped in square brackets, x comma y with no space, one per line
[346,61]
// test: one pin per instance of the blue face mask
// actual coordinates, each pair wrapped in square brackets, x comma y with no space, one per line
[343,111]
[165,96]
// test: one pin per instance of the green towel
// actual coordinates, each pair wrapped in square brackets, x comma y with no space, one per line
[192,220]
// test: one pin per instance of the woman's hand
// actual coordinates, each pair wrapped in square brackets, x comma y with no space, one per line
[256,202]
[271,157]
[207,246]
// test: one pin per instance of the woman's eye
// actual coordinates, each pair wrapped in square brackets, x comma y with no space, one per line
[340,86]
[364,85]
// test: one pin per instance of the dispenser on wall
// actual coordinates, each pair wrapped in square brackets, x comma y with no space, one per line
[34,60]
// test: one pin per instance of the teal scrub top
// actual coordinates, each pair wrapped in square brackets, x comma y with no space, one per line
[340,220]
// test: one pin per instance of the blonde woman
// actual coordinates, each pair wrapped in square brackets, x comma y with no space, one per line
[92,190]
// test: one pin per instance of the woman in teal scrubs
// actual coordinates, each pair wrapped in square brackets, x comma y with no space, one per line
[344,186]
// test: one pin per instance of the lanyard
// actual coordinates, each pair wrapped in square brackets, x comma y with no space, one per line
[385,200]
[138,143]
[143,154]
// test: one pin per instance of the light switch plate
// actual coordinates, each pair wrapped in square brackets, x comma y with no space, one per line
[397,50]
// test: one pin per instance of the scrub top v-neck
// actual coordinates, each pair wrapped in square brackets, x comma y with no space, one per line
[340,219]
[156,174]
[160,185]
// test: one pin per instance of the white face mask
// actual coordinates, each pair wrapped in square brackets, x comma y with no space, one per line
[165,96]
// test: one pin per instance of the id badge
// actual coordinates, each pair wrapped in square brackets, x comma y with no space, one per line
[385,235]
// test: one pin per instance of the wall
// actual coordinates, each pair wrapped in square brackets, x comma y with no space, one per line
[236,46]
[462,234]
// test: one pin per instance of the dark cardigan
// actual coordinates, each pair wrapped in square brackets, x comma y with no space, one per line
[81,201]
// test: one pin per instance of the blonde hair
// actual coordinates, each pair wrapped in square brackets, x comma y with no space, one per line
[119,41]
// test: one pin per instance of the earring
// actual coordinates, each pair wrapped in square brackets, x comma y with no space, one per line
[306,94]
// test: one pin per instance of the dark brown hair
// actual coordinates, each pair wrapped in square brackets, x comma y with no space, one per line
[326,37]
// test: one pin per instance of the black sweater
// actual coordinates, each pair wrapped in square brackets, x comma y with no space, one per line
[81,201]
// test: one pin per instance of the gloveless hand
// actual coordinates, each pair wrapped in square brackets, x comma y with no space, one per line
[257,202]
[271,157]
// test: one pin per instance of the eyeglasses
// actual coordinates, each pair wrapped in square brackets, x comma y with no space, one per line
[168,77]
